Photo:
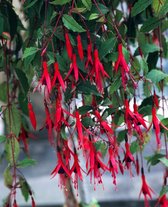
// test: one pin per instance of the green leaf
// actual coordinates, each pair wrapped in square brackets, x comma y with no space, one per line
[93,16]
[164,9]
[22,80]
[87,4]
[164,190]
[101,146]
[164,160]
[121,135]
[87,122]
[156,75]
[3,92]
[154,159]
[115,86]
[134,147]
[8,179]
[30,4]
[106,47]
[2,138]
[29,51]
[87,88]
[157,5]
[12,150]
[140,6]
[26,162]
[145,110]
[25,188]
[149,48]
[84,109]
[150,24]
[60,2]
[13,120]
[71,24]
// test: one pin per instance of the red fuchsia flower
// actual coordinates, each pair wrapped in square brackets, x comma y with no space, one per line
[156,126]
[89,61]
[133,120]
[155,100]
[112,164]
[45,78]
[32,115]
[76,169]
[145,189]
[57,76]
[79,128]
[74,68]
[128,158]
[68,45]
[80,47]
[103,124]
[123,64]
[162,201]
[61,167]
[23,135]
[98,71]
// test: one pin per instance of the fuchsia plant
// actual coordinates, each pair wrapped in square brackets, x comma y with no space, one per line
[91,60]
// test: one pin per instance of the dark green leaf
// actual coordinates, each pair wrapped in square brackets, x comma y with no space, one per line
[12,150]
[60,2]
[30,51]
[87,122]
[30,4]
[13,119]
[72,24]
[145,110]
[8,179]
[87,4]
[101,146]
[140,6]
[164,9]
[22,80]
[121,135]
[3,92]
[84,109]
[150,24]
[154,159]
[25,188]
[26,162]
[87,88]
[134,147]
[156,75]
[106,47]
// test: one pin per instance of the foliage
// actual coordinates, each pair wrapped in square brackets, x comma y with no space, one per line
[89,59]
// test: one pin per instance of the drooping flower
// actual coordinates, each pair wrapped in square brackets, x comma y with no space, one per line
[112,164]
[79,127]
[89,61]
[32,115]
[103,124]
[57,76]
[128,158]
[156,125]
[162,201]
[80,47]
[73,68]
[45,79]
[121,62]
[145,189]
[68,45]
[61,167]
[155,100]
[23,135]
[33,202]
[98,71]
